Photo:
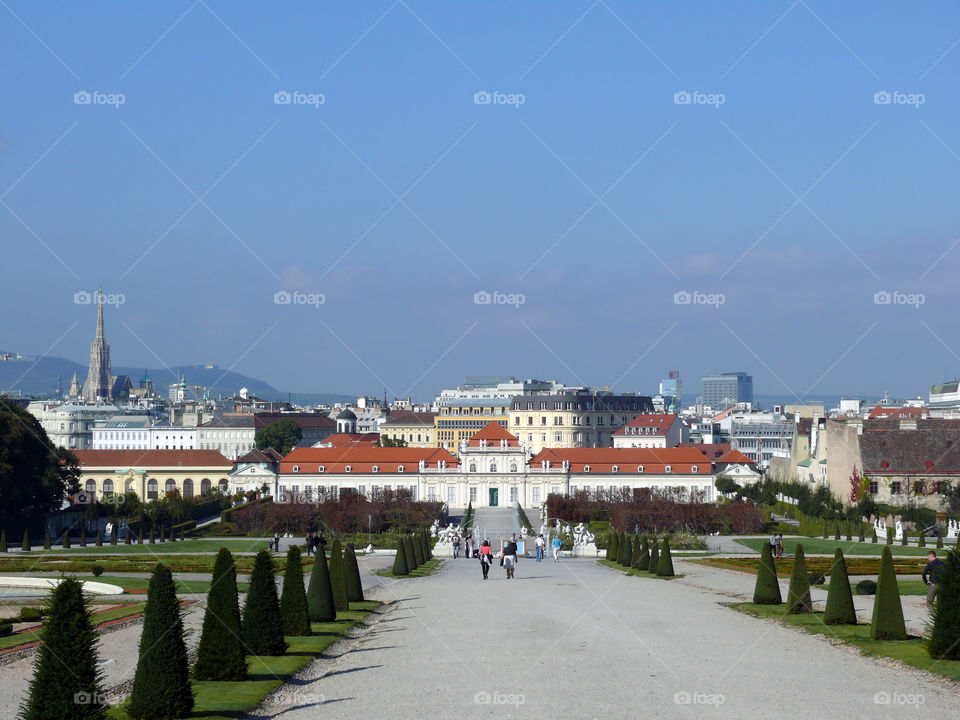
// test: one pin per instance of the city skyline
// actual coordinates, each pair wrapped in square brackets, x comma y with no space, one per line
[352,187]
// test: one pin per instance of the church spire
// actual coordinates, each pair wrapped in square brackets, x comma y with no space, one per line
[100,313]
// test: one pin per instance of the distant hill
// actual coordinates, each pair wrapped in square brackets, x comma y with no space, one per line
[32,376]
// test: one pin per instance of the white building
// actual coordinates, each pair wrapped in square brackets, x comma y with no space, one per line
[70,425]
[652,430]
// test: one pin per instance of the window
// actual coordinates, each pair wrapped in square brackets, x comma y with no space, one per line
[668,469]
[399,468]
[205,486]
[535,493]
[874,487]
[222,485]
[473,467]
[376,468]
[513,494]
[473,494]
[493,467]
[513,468]
[108,486]
[543,419]
[616,468]
[895,487]
[586,468]
[188,488]
[363,489]
[296,468]
[693,468]
[90,487]
[151,489]
[451,494]
[170,485]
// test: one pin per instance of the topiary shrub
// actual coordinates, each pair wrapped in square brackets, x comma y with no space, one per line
[161,683]
[944,640]
[97,570]
[83,536]
[817,578]
[417,550]
[860,537]
[67,637]
[866,587]
[66,539]
[626,551]
[824,530]
[836,534]
[400,562]
[643,558]
[221,654]
[654,557]
[939,539]
[409,554]
[320,593]
[873,535]
[25,542]
[294,615]
[46,540]
[113,534]
[262,628]
[337,579]
[635,554]
[767,589]
[351,573]
[839,610]
[889,536]
[6,627]
[126,538]
[903,539]
[923,541]
[887,622]
[798,595]
[99,541]
[29,614]
[3,541]
[613,546]
[665,561]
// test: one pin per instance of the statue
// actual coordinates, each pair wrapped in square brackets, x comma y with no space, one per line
[446,535]
[898,531]
[435,528]
[953,529]
[582,536]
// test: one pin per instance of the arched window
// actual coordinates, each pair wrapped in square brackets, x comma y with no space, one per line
[205,486]
[91,487]
[493,467]
[223,485]
[513,468]
[170,485]
[399,468]
[668,469]
[586,468]
[151,489]
[188,488]
[108,486]
[376,468]
[616,468]
[473,467]
[639,468]
[693,468]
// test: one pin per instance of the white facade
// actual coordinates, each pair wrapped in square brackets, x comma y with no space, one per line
[121,436]
[232,442]
[70,425]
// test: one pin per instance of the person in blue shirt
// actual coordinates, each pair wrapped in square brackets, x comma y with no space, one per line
[557,545]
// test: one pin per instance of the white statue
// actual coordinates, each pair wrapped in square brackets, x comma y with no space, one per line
[447,534]
[898,531]
[435,528]
[880,527]
[953,529]
[582,536]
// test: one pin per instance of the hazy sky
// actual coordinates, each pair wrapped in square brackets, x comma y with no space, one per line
[786,193]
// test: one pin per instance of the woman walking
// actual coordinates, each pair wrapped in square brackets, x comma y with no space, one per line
[486,558]
[456,546]
[510,558]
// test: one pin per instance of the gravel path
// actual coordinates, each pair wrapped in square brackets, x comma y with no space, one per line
[578,640]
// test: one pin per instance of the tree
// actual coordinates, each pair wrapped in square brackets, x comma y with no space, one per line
[25,542]
[418,549]
[35,476]
[161,683]
[262,628]
[337,577]
[320,592]
[727,485]
[665,561]
[944,640]
[767,589]
[392,442]
[408,552]
[626,551]
[643,560]
[798,595]
[400,562]
[282,435]
[613,549]
[839,610]
[67,633]
[221,654]
[654,557]
[294,615]
[887,622]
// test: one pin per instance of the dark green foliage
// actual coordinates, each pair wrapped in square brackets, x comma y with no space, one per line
[798,595]
[282,435]
[6,627]
[654,557]
[113,534]
[220,654]
[944,640]
[816,578]
[173,535]
[889,536]
[613,546]
[66,540]
[294,614]
[46,540]
[887,623]
[824,530]
[97,570]
[836,534]
[860,537]
[426,543]
[25,542]
[866,587]
[923,541]
[767,589]
[400,562]
[903,538]
[873,535]
[140,538]
[68,637]
[665,561]
[635,555]
[83,536]
[849,538]
[939,539]
[351,573]
[99,541]
[408,552]
[161,684]
[418,549]
[152,539]
[3,541]
[320,592]
[643,561]
[262,629]
[626,551]
[840,610]
[338,580]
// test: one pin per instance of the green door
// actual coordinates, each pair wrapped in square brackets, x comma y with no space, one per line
[494,493]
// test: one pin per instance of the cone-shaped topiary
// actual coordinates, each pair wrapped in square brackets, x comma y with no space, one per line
[944,640]
[939,539]
[923,541]
[152,538]
[873,535]
[824,529]
[83,536]
[338,580]
[426,544]
[262,629]
[3,541]
[635,546]
[320,592]
[840,610]
[221,654]
[654,557]
[25,542]
[161,683]
[643,561]
[613,546]
[418,549]
[767,589]
[665,561]
[849,538]
[294,614]
[99,541]
[351,573]
[46,539]
[66,539]
[860,537]
[400,561]
[408,552]
[798,595]
[903,538]
[173,535]
[140,538]
[113,534]
[626,551]
[889,536]
[68,637]
[836,533]
[887,622]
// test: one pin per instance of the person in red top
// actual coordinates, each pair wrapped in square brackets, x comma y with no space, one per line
[486,558]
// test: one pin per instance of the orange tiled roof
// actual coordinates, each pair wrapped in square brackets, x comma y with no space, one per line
[362,459]
[339,440]
[734,456]
[493,432]
[601,460]
[151,458]
[649,424]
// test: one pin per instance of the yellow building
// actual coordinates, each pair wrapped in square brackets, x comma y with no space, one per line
[459,419]
[416,429]
[149,473]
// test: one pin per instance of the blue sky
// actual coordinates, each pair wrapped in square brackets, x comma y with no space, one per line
[782,207]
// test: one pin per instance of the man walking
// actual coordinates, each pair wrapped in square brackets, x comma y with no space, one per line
[931,576]
[540,545]
[557,545]
[456,546]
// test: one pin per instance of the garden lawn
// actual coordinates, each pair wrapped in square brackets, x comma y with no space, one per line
[819,546]
[139,585]
[428,568]
[228,700]
[912,651]
[189,545]
[98,618]
[633,571]
[823,565]
[138,563]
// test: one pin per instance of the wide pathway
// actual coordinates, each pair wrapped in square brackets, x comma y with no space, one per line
[576,639]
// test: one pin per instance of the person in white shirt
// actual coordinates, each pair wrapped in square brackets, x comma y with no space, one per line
[540,546]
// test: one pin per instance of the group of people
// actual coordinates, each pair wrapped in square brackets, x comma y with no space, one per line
[468,543]
[315,541]
[776,545]
[508,555]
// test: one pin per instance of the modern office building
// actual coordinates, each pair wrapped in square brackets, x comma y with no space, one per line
[727,389]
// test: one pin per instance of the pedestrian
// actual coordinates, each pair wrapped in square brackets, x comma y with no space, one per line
[456,546]
[321,541]
[486,558]
[468,546]
[931,576]
[276,542]
[779,552]
[309,543]
[557,545]
[773,545]
[540,545]
[510,558]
